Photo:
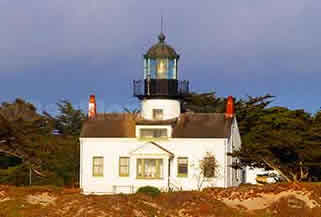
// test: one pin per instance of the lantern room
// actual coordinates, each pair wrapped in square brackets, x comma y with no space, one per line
[160,61]
[161,73]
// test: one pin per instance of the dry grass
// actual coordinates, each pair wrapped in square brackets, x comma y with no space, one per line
[284,200]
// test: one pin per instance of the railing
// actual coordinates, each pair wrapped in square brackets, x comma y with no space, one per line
[160,87]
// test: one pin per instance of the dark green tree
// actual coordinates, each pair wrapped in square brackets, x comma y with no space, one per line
[247,110]
[69,119]
[24,134]
[27,135]
[68,122]
[315,143]
[204,103]
[278,138]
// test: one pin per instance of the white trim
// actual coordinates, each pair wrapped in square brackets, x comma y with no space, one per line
[163,150]
[81,165]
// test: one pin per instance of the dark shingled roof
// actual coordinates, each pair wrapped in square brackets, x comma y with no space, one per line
[188,125]
[109,125]
[202,125]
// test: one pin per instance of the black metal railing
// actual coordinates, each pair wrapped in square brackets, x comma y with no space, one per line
[160,87]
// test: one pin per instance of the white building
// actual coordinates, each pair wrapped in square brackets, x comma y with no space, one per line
[161,146]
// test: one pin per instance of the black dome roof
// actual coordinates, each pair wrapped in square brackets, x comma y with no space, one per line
[161,50]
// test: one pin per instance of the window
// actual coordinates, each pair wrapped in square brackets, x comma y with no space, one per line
[150,168]
[98,166]
[158,114]
[153,133]
[161,68]
[182,166]
[123,166]
[209,166]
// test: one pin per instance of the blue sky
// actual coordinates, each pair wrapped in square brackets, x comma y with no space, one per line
[57,49]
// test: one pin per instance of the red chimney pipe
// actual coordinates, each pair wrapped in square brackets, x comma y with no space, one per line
[92,107]
[229,107]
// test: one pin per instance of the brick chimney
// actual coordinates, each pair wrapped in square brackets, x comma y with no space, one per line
[229,107]
[92,107]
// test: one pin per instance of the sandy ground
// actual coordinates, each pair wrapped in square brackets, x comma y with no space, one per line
[3,196]
[245,201]
[43,199]
[264,200]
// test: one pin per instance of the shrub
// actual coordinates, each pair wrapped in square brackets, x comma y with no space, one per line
[150,190]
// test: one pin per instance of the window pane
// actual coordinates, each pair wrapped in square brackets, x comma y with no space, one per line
[98,166]
[182,166]
[182,169]
[99,170]
[158,114]
[98,161]
[124,170]
[124,166]
[160,133]
[164,133]
[153,133]
[150,168]
[139,168]
[96,170]
[182,160]
[171,70]
[160,168]
[146,133]
[152,69]
[124,161]
[161,68]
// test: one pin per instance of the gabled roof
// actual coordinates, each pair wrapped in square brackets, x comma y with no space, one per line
[187,125]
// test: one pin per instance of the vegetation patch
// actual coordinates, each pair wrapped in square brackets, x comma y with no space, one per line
[150,190]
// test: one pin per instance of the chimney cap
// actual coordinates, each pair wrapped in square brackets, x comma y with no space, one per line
[92,98]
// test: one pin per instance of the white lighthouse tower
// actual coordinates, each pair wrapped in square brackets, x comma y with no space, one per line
[161,92]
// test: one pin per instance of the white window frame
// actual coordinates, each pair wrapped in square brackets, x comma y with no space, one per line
[159,165]
[139,127]
[96,165]
[128,166]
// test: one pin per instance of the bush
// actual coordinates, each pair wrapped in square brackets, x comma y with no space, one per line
[150,190]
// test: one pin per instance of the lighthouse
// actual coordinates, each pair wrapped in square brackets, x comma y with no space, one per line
[160,90]
[161,146]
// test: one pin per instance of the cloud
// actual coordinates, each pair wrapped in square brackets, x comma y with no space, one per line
[81,40]
[38,29]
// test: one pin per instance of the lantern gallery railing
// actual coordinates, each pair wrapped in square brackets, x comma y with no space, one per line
[160,87]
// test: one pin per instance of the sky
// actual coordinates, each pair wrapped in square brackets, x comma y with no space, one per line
[57,49]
